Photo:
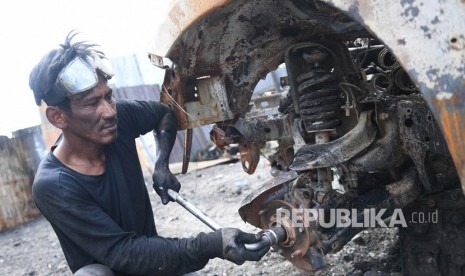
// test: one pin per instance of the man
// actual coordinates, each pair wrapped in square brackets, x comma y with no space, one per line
[90,186]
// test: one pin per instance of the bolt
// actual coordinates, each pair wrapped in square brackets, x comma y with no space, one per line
[431,203]
[383,116]
[347,112]
[301,230]
[274,171]
[296,253]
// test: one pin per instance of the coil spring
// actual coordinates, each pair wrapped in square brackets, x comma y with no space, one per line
[319,101]
[387,60]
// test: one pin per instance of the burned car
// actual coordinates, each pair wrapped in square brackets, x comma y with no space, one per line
[373,120]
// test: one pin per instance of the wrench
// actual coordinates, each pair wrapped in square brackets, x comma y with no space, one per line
[194,210]
[269,237]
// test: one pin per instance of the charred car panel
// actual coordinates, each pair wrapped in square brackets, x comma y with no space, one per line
[376,97]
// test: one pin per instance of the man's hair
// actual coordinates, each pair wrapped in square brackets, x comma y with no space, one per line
[43,76]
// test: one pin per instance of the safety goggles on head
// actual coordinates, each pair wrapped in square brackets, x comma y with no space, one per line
[78,76]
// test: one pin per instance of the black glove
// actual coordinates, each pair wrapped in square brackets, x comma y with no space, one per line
[234,249]
[162,181]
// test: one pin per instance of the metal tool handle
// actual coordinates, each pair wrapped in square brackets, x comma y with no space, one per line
[268,237]
[194,210]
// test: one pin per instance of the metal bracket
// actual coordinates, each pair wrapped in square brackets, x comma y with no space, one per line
[337,151]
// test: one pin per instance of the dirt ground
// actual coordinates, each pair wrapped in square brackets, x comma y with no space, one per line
[33,249]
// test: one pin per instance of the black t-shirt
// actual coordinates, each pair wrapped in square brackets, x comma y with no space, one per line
[108,218]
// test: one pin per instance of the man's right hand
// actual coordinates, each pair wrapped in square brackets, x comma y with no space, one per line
[234,249]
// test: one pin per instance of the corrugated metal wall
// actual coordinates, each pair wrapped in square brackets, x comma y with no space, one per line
[19,158]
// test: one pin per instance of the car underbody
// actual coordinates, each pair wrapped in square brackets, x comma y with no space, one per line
[367,123]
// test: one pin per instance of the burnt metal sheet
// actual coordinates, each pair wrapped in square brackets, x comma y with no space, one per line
[243,40]
[210,105]
[182,14]
[265,128]
[428,40]
[202,102]
[239,40]
[273,189]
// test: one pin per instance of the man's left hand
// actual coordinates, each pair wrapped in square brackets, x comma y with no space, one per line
[162,181]
[234,250]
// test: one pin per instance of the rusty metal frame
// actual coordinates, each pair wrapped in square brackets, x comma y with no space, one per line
[426,37]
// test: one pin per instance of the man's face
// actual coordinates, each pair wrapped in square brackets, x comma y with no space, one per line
[93,115]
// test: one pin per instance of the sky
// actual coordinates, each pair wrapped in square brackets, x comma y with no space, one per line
[30,28]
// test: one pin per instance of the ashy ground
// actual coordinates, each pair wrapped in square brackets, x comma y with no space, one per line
[33,249]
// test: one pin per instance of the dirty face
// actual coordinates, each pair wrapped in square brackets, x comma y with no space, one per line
[93,115]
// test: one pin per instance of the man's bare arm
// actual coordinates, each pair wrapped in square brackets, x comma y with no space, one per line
[165,136]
